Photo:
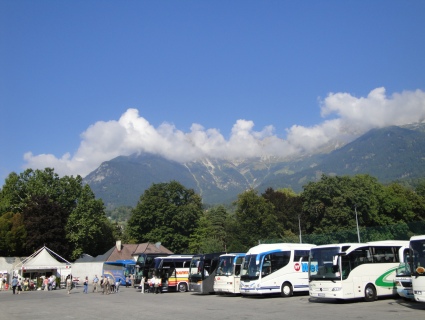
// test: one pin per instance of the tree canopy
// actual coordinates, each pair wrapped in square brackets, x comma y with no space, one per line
[167,213]
[39,208]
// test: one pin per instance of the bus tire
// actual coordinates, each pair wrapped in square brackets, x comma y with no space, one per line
[370,293]
[286,290]
[182,287]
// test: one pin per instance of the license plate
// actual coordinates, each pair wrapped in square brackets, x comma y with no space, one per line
[320,294]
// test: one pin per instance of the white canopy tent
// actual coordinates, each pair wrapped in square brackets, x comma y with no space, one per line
[44,261]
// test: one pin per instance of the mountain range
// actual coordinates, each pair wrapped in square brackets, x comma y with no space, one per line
[389,154]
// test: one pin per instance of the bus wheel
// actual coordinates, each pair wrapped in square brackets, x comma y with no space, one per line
[286,290]
[370,293]
[182,287]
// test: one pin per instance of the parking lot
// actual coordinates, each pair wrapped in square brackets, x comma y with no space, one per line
[130,303]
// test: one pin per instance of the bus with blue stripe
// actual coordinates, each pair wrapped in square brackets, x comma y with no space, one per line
[278,268]
[118,270]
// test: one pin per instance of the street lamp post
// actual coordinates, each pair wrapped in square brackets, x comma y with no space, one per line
[299,227]
[357,223]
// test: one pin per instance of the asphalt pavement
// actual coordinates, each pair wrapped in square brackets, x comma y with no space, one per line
[130,303]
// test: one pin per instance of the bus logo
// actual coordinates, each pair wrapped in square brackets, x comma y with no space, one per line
[297,267]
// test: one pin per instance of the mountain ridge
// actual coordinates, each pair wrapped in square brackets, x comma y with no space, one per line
[390,154]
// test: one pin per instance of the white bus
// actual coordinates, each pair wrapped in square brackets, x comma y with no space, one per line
[417,247]
[173,271]
[355,270]
[228,276]
[275,268]
[403,277]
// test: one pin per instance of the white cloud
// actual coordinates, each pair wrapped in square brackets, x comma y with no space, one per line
[348,117]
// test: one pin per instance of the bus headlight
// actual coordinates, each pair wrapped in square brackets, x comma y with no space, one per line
[336,289]
[417,292]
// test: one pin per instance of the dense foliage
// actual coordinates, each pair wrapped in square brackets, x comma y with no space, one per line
[167,213]
[39,208]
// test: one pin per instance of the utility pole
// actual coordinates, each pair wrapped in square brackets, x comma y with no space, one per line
[357,222]
[299,227]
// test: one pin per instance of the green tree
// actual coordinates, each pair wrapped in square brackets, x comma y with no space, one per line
[13,235]
[255,219]
[167,213]
[87,228]
[210,235]
[287,207]
[45,201]
[420,188]
[331,204]
[44,222]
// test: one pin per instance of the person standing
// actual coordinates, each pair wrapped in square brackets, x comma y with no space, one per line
[95,281]
[157,285]
[132,280]
[111,285]
[46,283]
[69,283]
[19,286]
[14,283]
[105,285]
[86,285]
[142,284]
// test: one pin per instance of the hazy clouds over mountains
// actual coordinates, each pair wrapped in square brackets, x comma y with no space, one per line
[345,118]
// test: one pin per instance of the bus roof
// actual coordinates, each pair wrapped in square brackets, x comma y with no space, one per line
[121,262]
[421,237]
[175,256]
[233,254]
[209,255]
[353,245]
[264,247]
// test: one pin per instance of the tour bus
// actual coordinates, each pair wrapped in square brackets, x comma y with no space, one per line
[173,271]
[202,272]
[417,247]
[228,276]
[403,277]
[118,270]
[355,270]
[275,268]
[144,265]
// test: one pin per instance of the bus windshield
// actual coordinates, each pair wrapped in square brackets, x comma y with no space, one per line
[250,268]
[322,264]
[418,250]
[225,266]
[196,265]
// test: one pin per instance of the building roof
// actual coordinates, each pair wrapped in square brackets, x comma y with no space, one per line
[149,247]
[126,252]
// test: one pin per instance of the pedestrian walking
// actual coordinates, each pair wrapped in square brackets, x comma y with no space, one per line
[95,282]
[14,283]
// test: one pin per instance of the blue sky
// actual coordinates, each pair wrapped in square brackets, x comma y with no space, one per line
[82,82]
